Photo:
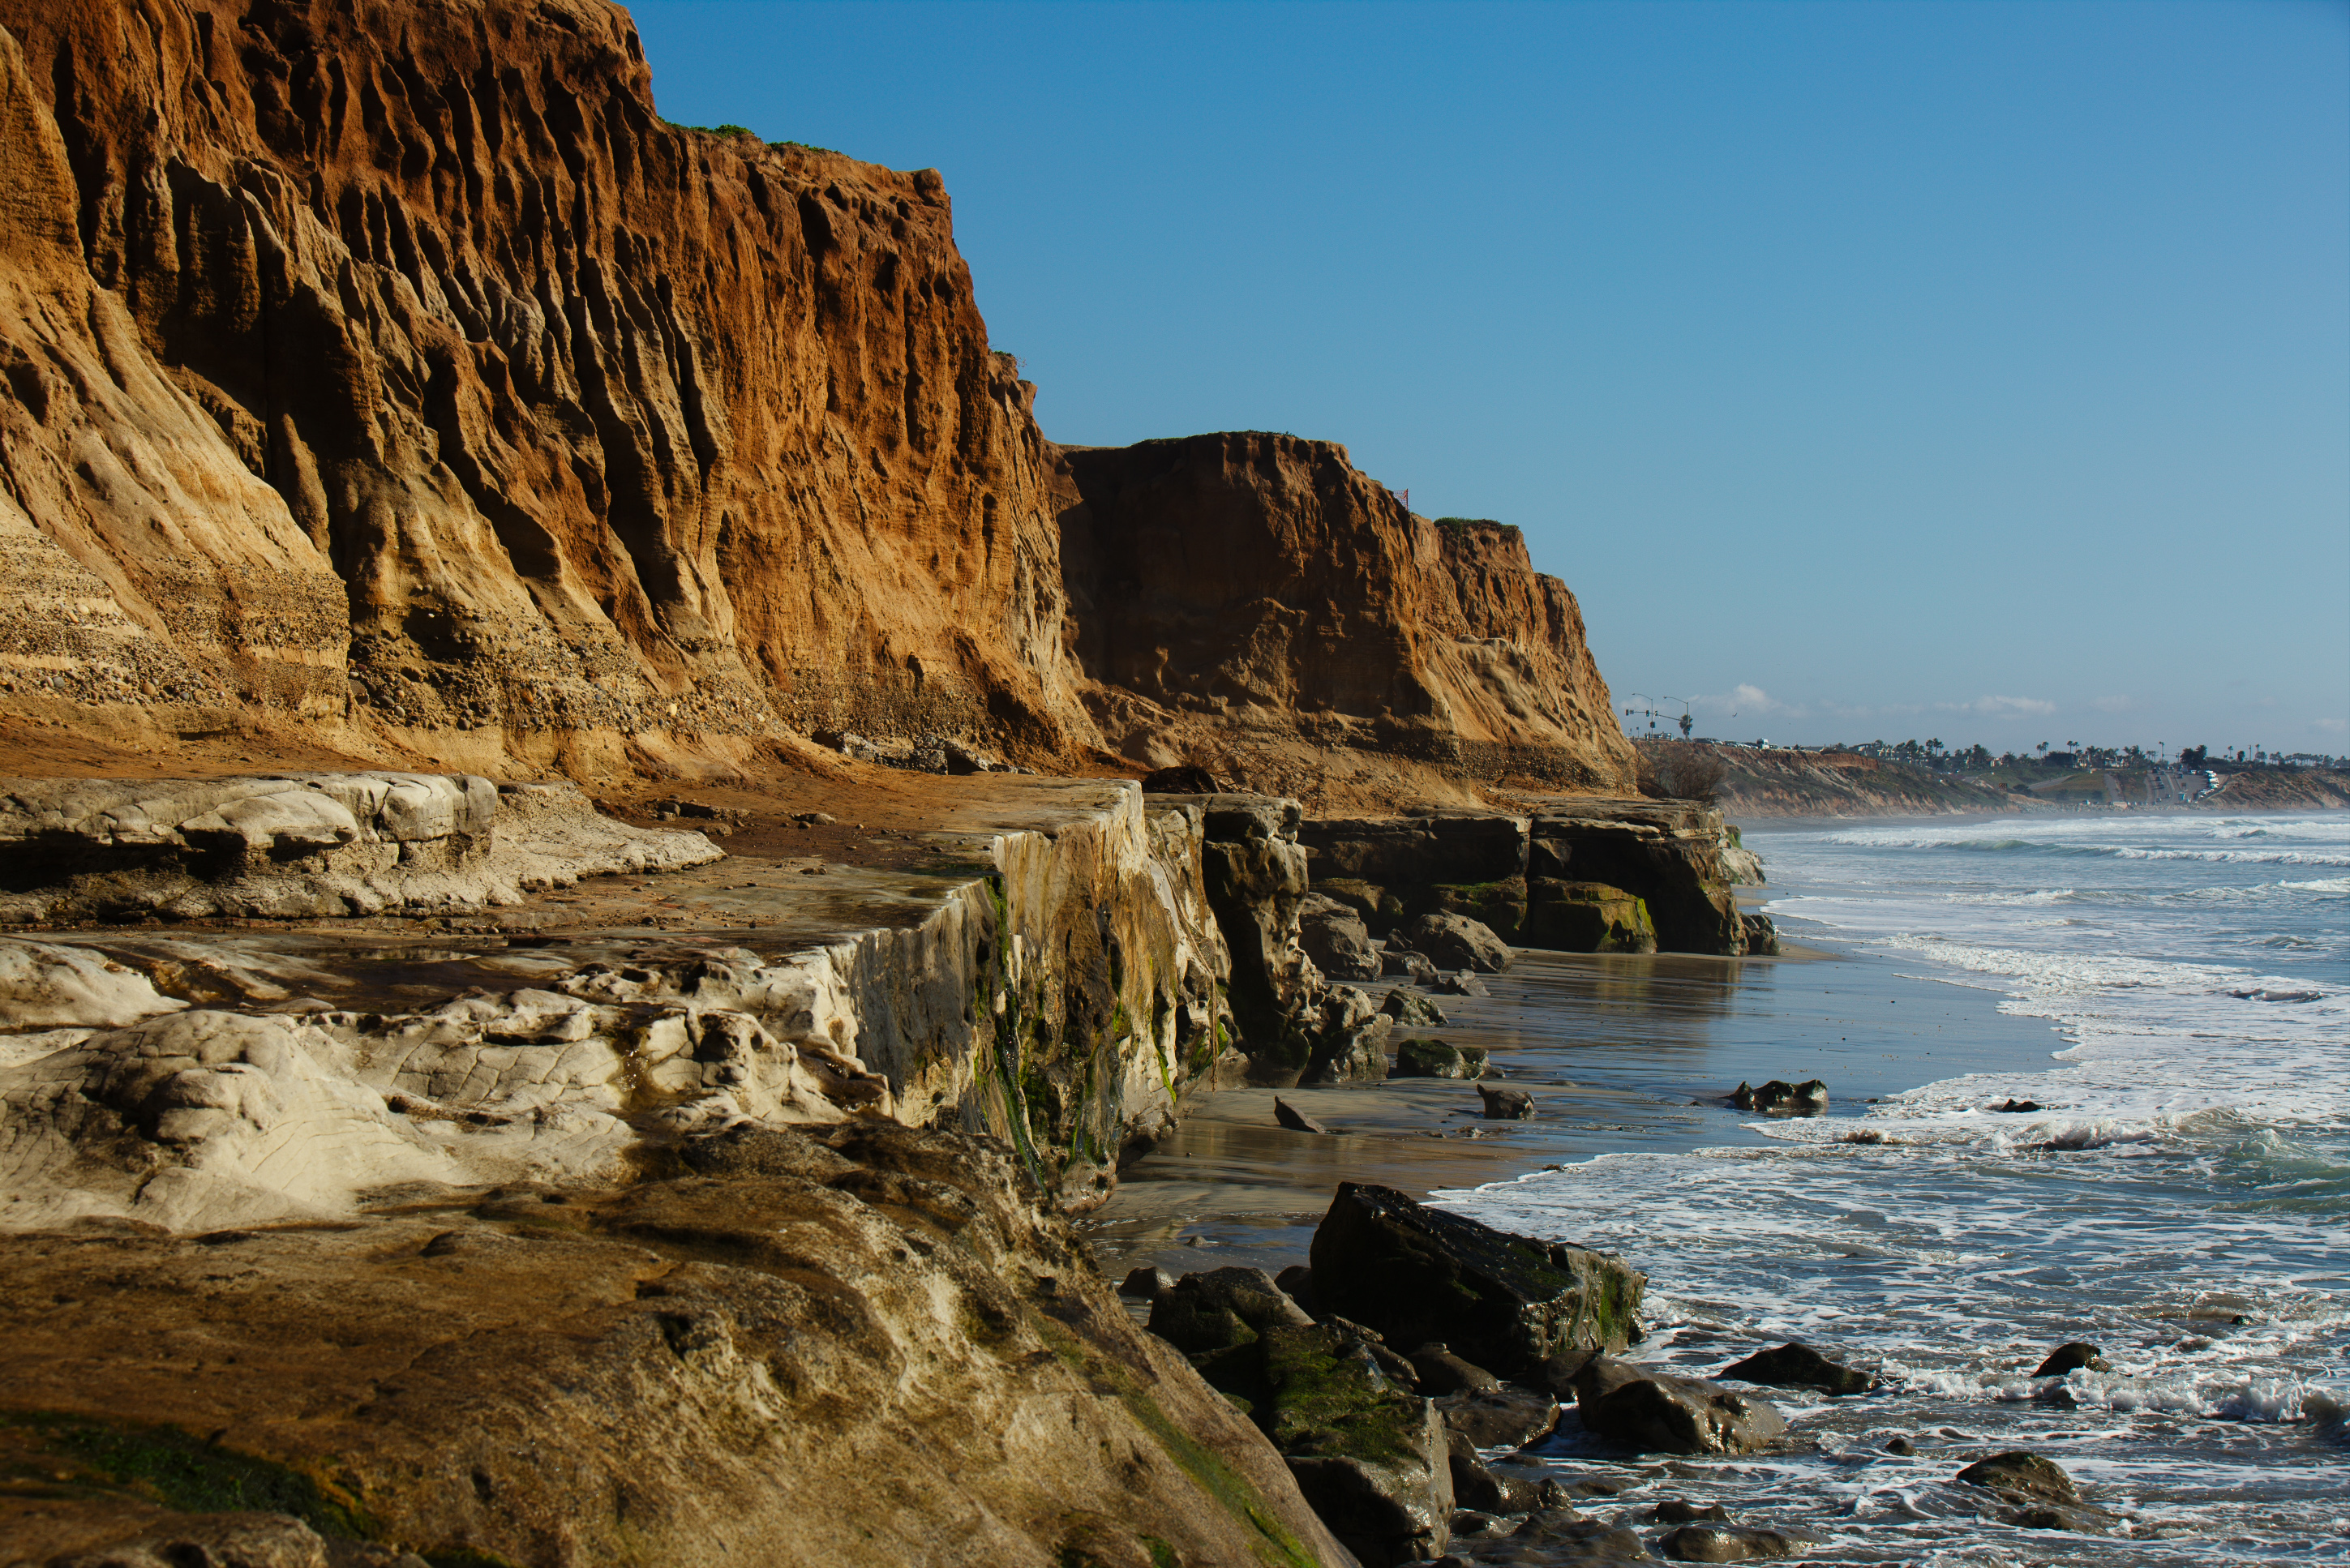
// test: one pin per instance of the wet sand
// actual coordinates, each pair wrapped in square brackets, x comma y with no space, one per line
[1614,1050]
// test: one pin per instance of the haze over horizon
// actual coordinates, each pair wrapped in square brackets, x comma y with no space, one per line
[1867,370]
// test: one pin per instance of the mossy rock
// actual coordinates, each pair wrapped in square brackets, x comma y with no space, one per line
[1329,1400]
[1587,917]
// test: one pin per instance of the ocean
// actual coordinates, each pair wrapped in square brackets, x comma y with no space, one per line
[2173,992]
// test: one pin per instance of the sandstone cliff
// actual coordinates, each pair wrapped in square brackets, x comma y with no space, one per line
[395,376]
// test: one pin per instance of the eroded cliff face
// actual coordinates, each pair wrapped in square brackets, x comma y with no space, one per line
[395,376]
[1262,583]
[400,368]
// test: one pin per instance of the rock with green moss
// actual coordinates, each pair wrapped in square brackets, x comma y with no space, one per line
[1587,917]
[1507,1302]
[1426,1058]
[1372,1459]
[1410,1009]
[1499,905]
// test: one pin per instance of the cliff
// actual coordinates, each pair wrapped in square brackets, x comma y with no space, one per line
[394,377]
[1748,783]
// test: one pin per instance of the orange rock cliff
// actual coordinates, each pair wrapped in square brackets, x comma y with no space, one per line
[392,375]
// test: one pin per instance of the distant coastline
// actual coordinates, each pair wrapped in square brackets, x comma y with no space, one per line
[1749,782]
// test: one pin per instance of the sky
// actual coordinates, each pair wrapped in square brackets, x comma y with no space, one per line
[1973,371]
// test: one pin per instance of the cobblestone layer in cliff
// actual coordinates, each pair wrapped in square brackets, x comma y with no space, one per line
[395,374]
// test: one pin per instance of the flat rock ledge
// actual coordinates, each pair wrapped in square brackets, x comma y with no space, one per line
[306,845]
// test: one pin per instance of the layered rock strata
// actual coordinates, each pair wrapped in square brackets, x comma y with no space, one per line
[1585,874]
[865,1344]
[305,846]
[396,377]
[1063,995]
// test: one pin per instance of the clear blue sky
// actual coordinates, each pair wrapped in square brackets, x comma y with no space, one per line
[1975,370]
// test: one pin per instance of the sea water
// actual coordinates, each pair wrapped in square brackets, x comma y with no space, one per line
[2181,1198]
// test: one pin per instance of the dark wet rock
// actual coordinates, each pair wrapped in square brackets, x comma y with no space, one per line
[1454,941]
[1500,1418]
[1470,1522]
[1336,939]
[1146,1284]
[1657,1413]
[1562,1538]
[2022,1474]
[1673,1510]
[1711,1543]
[1463,983]
[2039,1495]
[1780,1098]
[1900,1445]
[1762,935]
[1414,967]
[1425,1058]
[1298,1281]
[1441,1372]
[2016,1108]
[1476,1486]
[1411,1010]
[1292,1119]
[2073,1354]
[1796,1365]
[1221,1310]
[1504,1105]
[1505,1303]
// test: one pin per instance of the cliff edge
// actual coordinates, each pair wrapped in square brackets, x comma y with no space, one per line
[396,377]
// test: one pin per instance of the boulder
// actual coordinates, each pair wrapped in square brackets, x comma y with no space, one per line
[1298,1281]
[1409,1009]
[1499,905]
[1372,1460]
[1336,939]
[1379,908]
[1762,935]
[1292,1119]
[1425,1058]
[1504,1105]
[1657,1413]
[1441,1372]
[2020,1474]
[1418,1274]
[1503,1417]
[1463,983]
[1146,1284]
[1455,941]
[1347,1039]
[1555,1537]
[1673,1510]
[1781,1098]
[1715,1542]
[1476,1486]
[1587,918]
[1798,1367]
[2067,1356]
[1404,964]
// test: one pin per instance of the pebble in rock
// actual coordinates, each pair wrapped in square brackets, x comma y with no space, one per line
[1797,1366]
[1506,1104]
[1295,1120]
[1780,1098]
[2070,1355]
[1147,1284]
